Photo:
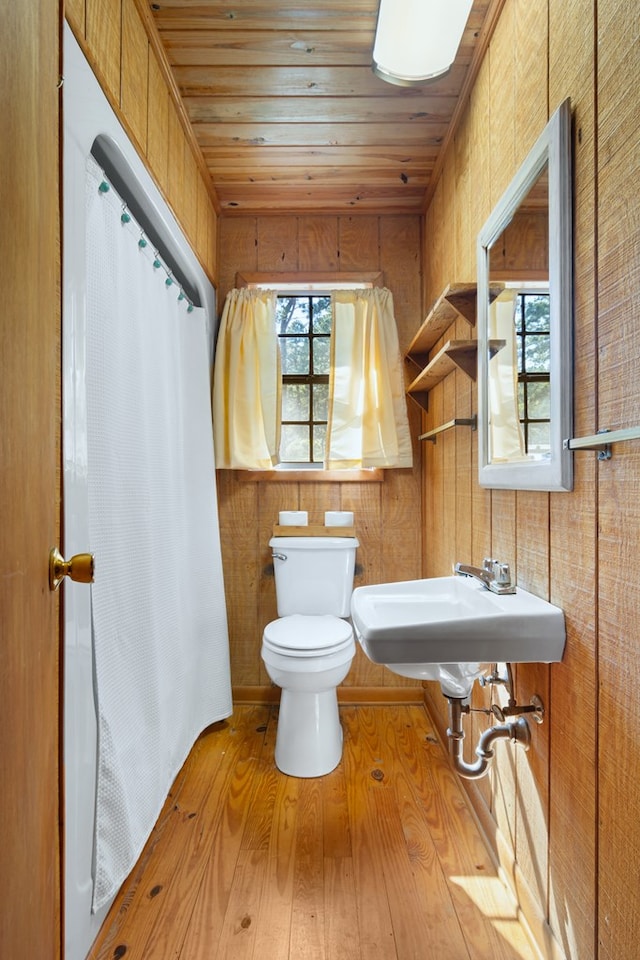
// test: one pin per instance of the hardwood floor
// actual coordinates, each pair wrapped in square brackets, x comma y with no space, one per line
[379,860]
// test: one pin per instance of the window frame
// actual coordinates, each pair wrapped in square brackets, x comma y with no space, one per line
[310,379]
[524,377]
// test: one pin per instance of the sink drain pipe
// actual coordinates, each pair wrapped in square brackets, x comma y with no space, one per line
[516,731]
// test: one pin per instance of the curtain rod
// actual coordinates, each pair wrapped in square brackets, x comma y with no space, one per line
[116,169]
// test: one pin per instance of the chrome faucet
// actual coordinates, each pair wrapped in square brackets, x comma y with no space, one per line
[496,576]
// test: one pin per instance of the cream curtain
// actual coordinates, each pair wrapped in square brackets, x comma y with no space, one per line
[368,425]
[505,432]
[247,382]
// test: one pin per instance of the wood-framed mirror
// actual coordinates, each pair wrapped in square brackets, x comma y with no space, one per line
[525,388]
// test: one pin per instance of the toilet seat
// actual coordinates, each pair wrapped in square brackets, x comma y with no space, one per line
[307,636]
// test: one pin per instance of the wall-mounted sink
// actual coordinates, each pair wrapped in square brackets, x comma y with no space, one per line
[452,629]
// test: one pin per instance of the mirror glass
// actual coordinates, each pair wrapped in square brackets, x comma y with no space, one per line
[525,321]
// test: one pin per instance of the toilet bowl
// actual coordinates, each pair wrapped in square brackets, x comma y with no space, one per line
[307,652]
[307,657]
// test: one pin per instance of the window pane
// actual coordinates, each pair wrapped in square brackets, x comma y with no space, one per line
[319,441]
[292,315]
[521,400]
[536,312]
[322,314]
[321,355]
[294,443]
[320,401]
[539,400]
[537,350]
[295,355]
[295,401]
[539,439]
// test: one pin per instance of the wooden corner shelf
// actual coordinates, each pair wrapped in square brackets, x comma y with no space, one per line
[456,300]
[462,354]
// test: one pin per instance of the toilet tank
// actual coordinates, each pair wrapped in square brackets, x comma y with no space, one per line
[317,575]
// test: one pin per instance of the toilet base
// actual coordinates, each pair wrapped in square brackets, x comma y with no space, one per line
[309,737]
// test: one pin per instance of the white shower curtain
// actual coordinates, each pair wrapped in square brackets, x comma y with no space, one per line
[159,620]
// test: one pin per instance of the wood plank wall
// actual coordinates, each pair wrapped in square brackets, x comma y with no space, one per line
[564,816]
[115,37]
[387,514]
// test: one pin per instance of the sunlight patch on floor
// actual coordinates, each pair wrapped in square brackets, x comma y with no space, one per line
[485,891]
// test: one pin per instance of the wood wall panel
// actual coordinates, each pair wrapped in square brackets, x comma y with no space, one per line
[104,35]
[618,217]
[464,184]
[158,123]
[531,69]
[531,547]
[387,514]
[134,87]
[503,105]
[573,520]
[238,512]
[277,244]
[318,244]
[203,209]
[358,241]
[175,160]
[74,11]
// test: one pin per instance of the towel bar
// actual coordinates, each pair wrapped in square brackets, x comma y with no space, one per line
[602,441]
[458,422]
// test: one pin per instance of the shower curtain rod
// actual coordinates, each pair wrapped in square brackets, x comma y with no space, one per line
[116,169]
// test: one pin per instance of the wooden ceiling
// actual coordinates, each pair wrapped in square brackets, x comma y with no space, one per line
[289,115]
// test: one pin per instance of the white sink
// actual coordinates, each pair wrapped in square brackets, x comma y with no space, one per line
[452,629]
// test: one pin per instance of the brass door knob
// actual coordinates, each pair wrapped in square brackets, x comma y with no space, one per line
[79,568]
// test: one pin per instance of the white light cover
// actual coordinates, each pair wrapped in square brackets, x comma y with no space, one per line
[417,40]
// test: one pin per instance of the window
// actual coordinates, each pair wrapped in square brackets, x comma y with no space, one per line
[308,379]
[532,322]
[303,324]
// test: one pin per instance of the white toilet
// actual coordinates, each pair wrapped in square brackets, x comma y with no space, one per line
[308,651]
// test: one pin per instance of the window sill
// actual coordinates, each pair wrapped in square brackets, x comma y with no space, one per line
[311,476]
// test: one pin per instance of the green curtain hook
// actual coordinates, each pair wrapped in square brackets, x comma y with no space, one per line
[168,281]
[190,308]
[126,217]
[142,242]
[157,263]
[104,187]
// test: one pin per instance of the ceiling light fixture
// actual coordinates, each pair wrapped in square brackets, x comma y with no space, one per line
[417,40]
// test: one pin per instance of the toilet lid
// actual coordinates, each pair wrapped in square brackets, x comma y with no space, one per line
[305,635]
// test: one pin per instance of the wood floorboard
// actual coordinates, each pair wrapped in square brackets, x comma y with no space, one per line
[379,860]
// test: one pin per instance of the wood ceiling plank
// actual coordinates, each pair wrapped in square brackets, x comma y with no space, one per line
[279,196]
[321,176]
[263,48]
[306,82]
[283,16]
[221,158]
[387,208]
[317,134]
[423,110]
